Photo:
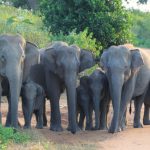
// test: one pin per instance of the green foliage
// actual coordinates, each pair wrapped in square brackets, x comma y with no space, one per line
[11,135]
[107,20]
[21,21]
[140,28]
[82,39]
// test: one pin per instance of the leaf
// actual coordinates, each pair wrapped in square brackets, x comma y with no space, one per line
[11,20]
[27,21]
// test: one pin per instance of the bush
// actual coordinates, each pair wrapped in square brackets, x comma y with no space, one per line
[140,28]
[107,20]
[21,21]
[83,40]
[11,135]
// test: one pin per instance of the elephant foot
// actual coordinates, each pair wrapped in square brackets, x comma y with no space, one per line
[146,122]
[26,127]
[95,128]
[114,130]
[56,128]
[137,125]
[103,128]
[80,126]
[39,126]
[45,124]
[77,128]
[88,127]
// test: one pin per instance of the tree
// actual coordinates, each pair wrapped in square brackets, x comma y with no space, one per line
[106,19]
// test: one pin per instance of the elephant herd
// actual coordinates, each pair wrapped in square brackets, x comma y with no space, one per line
[39,74]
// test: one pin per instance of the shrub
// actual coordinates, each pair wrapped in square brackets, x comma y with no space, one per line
[9,134]
[21,21]
[82,39]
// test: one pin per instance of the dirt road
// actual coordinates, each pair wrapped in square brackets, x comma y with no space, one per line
[130,139]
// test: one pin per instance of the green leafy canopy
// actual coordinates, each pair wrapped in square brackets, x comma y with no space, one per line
[106,19]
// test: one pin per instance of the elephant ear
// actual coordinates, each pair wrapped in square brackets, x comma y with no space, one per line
[48,58]
[103,60]
[32,56]
[86,60]
[136,60]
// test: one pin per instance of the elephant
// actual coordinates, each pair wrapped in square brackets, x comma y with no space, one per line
[12,55]
[60,65]
[84,105]
[93,94]
[146,120]
[33,100]
[128,73]
[31,58]
[99,89]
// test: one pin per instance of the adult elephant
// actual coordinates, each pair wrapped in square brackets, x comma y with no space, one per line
[31,58]
[12,54]
[60,65]
[128,73]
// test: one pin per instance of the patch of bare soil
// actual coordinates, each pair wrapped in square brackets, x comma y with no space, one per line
[130,139]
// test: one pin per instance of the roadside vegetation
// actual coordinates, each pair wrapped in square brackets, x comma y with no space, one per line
[117,26]
[10,135]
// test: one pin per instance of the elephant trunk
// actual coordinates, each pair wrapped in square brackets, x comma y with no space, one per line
[70,82]
[116,83]
[14,75]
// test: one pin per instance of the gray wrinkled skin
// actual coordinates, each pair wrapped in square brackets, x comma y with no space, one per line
[60,64]
[128,73]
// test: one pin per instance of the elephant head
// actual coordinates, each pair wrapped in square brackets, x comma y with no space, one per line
[66,61]
[120,64]
[12,54]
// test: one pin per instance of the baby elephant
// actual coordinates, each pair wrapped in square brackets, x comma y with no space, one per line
[99,89]
[33,101]
[84,103]
[93,94]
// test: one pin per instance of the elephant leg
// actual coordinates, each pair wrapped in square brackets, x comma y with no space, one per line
[127,94]
[138,105]
[53,92]
[97,113]
[81,120]
[27,118]
[39,124]
[44,114]
[124,121]
[90,117]
[8,118]
[103,115]
[146,120]
[87,114]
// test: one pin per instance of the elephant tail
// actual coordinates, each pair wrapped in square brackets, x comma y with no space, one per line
[130,109]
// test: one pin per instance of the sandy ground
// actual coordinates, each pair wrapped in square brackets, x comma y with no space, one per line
[130,139]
